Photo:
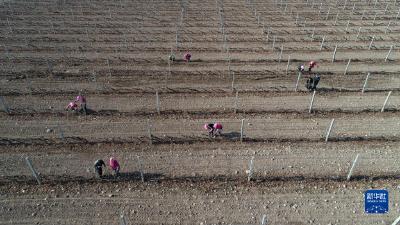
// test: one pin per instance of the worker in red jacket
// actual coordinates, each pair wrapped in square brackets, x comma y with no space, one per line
[114,166]
[311,65]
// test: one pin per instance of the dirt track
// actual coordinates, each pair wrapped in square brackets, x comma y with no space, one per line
[116,54]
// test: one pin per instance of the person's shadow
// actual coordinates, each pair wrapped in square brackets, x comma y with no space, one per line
[133,176]
[231,135]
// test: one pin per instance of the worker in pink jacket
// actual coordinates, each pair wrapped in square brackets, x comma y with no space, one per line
[114,166]
[217,129]
[82,101]
[72,106]
[187,56]
[214,129]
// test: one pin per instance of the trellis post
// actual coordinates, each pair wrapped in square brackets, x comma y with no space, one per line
[157,102]
[334,54]
[236,102]
[149,132]
[390,50]
[297,82]
[4,104]
[34,173]
[288,64]
[322,43]
[348,64]
[352,167]
[329,130]
[251,169]
[312,102]
[140,168]
[365,83]
[386,100]
[241,130]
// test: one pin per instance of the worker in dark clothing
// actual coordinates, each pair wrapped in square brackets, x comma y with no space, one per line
[210,128]
[98,167]
[312,82]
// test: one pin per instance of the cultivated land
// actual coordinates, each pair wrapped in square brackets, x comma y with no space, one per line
[244,66]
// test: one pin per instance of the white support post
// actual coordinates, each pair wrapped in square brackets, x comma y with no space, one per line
[347,67]
[109,69]
[273,43]
[229,65]
[122,220]
[386,100]
[149,132]
[61,132]
[169,67]
[329,130]
[352,167]
[347,26]
[358,33]
[396,221]
[352,10]
[397,16]
[387,5]
[387,27]
[280,54]
[390,50]
[288,64]
[312,102]
[373,21]
[251,169]
[157,102]
[327,14]
[365,83]
[297,18]
[320,8]
[176,39]
[313,32]
[297,82]
[322,43]
[362,16]
[140,168]
[334,54]
[9,26]
[337,16]
[236,102]
[264,217]
[241,130]
[233,81]
[344,5]
[4,104]
[34,173]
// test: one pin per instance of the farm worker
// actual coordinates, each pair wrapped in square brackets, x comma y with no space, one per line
[210,128]
[217,128]
[114,166]
[312,82]
[98,167]
[82,100]
[301,68]
[187,56]
[311,65]
[171,57]
[72,106]
[317,78]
